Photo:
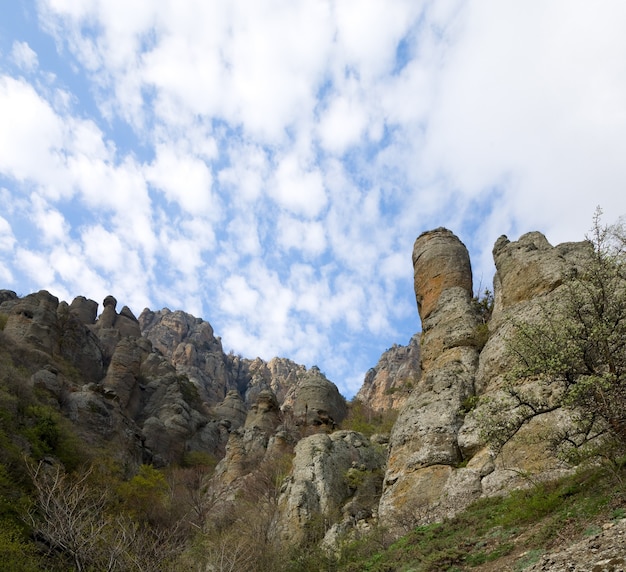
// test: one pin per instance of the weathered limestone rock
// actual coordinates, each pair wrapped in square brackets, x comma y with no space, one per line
[111,327]
[7,296]
[172,416]
[127,324]
[277,375]
[232,410]
[440,262]
[78,344]
[327,471]
[122,378]
[265,413]
[190,345]
[99,422]
[85,310]
[33,320]
[529,278]
[423,444]
[314,400]
[387,385]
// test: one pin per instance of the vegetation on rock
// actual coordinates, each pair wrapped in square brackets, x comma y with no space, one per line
[574,359]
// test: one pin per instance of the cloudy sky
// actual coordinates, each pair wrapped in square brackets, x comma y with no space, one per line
[267,165]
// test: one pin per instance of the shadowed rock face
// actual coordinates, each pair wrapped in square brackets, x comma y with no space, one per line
[33,320]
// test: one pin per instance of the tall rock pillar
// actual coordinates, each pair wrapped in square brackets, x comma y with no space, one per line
[421,481]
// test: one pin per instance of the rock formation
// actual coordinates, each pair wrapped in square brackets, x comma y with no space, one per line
[388,384]
[158,388]
[334,479]
[423,448]
[438,461]
[313,400]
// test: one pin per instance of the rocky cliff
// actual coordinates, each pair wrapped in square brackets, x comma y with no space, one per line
[156,388]
[159,388]
[438,462]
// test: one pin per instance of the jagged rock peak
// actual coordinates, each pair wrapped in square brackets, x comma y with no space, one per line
[388,384]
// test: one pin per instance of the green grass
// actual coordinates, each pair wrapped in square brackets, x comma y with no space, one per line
[524,524]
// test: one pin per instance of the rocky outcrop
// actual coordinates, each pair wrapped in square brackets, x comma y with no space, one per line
[314,400]
[423,448]
[232,411]
[41,322]
[84,309]
[528,280]
[122,378]
[190,345]
[388,385]
[438,461]
[334,478]
[111,327]
[278,375]
[33,320]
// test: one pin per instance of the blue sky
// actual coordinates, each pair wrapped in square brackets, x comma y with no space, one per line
[268,165]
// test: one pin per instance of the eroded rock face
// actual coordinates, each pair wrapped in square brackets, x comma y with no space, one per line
[529,278]
[111,327]
[327,471]
[33,320]
[84,309]
[423,448]
[314,400]
[438,462]
[189,343]
[440,262]
[278,375]
[388,384]
[122,378]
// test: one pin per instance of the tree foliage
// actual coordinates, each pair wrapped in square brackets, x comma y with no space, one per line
[574,358]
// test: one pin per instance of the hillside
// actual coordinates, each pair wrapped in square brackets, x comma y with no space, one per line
[136,443]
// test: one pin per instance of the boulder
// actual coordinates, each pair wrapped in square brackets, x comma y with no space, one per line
[327,472]
[314,400]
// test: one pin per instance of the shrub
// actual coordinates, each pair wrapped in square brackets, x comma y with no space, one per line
[576,358]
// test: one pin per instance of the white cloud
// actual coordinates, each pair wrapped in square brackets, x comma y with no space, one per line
[183,179]
[307,237]
[298,188]
[24,56]
[269,165]
[7,238]
[37,266]
[238,298]
[103,249]
[343,124]
[31,134]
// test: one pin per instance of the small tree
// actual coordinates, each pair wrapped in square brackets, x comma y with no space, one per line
[576,357]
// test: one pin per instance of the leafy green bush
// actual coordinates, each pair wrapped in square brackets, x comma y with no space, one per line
[576,356]
[363,419]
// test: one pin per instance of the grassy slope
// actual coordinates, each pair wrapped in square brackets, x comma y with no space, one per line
[508,533]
